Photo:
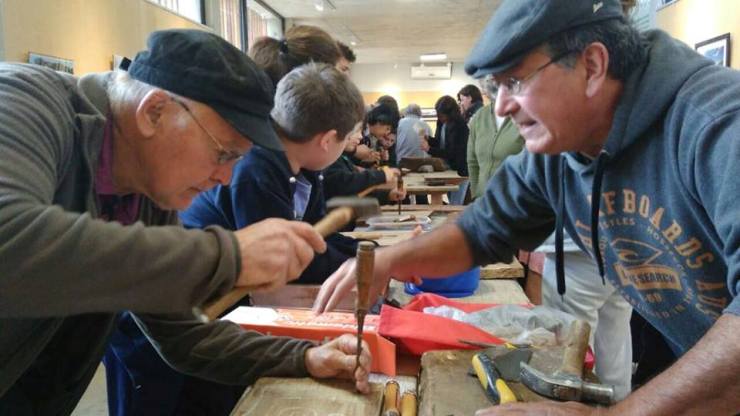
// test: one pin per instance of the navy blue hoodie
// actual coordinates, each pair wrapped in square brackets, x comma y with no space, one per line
[669,195]
[261,188]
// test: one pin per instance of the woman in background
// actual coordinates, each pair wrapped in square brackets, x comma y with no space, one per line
[492,139]
[451,142]
[470,100]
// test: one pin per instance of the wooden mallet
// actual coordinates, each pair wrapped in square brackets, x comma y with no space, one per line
[343,210]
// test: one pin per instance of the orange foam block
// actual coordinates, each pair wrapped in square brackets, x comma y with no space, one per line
[302,323]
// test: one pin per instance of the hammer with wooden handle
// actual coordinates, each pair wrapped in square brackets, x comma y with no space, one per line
[345,209]
[567,382]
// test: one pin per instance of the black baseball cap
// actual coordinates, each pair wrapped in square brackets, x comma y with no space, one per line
[518,26]
[206,68]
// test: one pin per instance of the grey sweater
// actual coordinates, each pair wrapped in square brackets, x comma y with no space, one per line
[64,273]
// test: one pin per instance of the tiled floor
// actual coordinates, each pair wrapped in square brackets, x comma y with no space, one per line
[94,401]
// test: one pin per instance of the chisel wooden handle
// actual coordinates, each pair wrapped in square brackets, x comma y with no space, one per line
[364,275]
[575,349]
[408,404]
[333,222]
[390,399]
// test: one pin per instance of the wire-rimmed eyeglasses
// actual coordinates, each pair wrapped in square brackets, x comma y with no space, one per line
[224,156]
[515,85]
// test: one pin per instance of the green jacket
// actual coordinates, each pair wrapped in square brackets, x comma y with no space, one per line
[64,274]
[488,147]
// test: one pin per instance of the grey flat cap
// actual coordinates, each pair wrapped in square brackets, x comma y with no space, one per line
[518,26]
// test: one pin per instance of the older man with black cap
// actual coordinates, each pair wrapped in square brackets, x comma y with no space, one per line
[90,169]
[633,148]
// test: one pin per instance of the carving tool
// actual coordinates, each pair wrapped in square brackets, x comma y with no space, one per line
[364,277]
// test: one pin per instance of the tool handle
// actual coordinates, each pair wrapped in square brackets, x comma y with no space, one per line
[365,192]
[575,349]
[214,309]
[390,399]
[408,404]
[364,274]
[507,396]
[333,222]
[496,388]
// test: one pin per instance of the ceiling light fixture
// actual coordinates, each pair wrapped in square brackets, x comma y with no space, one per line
[353,43]
[433,57]
[319,5]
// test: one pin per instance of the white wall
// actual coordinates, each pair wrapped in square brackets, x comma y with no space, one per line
[387,79]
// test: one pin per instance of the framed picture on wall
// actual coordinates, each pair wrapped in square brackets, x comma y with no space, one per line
[717,49]
[53,62]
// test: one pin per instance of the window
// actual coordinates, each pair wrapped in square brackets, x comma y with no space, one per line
[262,21]
[190,9]
[230,27]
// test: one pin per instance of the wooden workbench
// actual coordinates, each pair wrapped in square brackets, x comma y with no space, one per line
[435,184]
[312,397]
[303,396]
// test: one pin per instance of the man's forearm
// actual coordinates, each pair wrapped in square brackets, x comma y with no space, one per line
[704,381]
[440,253]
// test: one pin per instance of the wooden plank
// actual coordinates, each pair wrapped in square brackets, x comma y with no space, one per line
[513,270]
[444,380]
[299,296]
[433,208]
[382,237]
[489,291]
[306,396]
[445,388]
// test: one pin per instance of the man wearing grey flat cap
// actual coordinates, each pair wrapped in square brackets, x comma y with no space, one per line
[650,129]
[91,172]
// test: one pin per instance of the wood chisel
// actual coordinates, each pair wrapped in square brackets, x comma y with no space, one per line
[390,399]
[399,185]
[495,387]
[364,276]
[408,404]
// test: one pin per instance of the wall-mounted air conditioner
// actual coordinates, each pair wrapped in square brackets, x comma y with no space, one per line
[431,71]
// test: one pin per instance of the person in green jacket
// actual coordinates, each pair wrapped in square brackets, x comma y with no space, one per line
[492,139]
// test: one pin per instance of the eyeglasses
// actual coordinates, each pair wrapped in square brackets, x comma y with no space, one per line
[224,156]
[514,85]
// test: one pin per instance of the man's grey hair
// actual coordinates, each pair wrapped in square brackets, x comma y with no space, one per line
[412,109]
[315,98]
[124,91]
[627,50]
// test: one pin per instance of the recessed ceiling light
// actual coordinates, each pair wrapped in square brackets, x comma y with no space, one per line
[353,43]
[433,57]
[319,5]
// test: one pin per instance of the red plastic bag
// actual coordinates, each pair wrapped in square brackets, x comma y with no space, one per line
[417,332]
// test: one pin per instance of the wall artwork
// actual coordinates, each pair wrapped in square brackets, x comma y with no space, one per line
[53,62]
[717,49]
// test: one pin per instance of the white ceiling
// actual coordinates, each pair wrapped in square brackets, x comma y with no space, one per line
[395,31]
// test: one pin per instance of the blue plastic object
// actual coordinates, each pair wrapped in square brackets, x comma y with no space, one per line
[455,286]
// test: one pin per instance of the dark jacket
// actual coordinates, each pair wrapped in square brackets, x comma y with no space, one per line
[455,151]
[668,195]
[342,179]
[64,273]
[262,187]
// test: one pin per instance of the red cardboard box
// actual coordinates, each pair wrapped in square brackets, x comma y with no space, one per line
[302,323]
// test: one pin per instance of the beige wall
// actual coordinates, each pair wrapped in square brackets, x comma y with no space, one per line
[87,31]
[693,21]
